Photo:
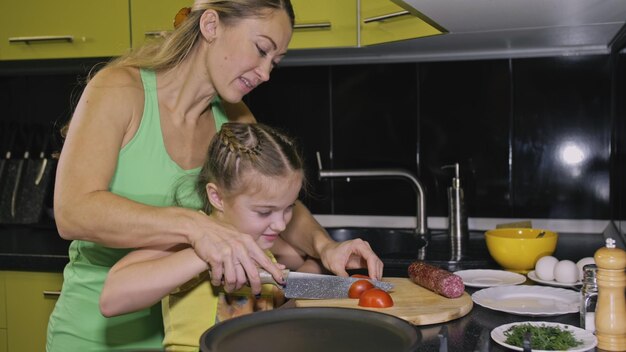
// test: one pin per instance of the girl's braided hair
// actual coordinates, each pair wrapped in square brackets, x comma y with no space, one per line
[240,150]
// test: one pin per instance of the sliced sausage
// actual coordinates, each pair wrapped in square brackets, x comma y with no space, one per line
[436,279]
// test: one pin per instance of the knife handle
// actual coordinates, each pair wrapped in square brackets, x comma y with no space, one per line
[267,278]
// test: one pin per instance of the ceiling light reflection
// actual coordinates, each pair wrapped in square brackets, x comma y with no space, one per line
[572,154]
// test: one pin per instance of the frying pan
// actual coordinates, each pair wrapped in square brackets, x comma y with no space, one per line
[312,330]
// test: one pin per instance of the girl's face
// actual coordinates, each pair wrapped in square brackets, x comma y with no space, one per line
[243,55]
[265,208]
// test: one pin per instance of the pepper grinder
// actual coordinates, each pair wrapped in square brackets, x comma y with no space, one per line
[611,308]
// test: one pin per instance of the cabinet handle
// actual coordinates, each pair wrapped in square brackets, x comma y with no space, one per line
[50,294]
[154,34]
[320,25]
[43,38]
[386,17]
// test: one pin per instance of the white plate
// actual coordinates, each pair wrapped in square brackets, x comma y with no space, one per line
[588,338]
[489,278]
[533,276]
[529,300]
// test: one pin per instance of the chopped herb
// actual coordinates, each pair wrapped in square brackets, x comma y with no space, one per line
[549,338]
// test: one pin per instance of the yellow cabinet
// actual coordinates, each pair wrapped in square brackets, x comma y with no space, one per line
[3,303]
[150,18]
[30,298]
[3,315]
[44,29]
[382,21]
[324,24]
[3,340]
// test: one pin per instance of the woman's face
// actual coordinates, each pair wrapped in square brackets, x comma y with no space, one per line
[243,55]
[265,208]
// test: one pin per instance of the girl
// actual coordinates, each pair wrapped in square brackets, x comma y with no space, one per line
[250,181]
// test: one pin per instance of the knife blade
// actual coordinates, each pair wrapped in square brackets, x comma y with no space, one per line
[317,286]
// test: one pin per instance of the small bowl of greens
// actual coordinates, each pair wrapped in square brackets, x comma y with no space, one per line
[544,336]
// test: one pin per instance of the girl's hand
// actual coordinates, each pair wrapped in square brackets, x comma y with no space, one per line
[233,257]
[352,254]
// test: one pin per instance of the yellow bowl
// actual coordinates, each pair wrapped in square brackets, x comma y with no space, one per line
[518,249]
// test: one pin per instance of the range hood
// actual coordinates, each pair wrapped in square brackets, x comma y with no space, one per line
[491,29]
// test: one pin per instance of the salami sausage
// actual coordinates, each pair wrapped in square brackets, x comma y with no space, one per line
[436,279]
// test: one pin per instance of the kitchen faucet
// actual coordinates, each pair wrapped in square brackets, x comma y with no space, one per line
[420,219]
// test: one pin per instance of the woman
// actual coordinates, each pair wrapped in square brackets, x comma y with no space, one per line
[144,122]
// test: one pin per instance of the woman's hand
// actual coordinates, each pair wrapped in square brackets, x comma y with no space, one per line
[352,254]
[233,257]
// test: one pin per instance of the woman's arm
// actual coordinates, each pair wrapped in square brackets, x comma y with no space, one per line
[144,276]
[105,119]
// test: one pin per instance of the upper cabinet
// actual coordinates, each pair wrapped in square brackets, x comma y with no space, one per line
[355,23]
[324,24]
[44,29]
[382,21]
[150,18]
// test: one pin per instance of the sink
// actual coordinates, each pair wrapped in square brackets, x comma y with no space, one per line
[398,248]
[385,242]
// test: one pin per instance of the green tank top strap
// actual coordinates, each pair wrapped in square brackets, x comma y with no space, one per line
[219,115]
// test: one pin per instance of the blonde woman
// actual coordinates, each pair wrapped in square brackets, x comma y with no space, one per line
[143,122]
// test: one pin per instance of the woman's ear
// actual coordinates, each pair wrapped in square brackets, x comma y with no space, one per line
[208,24]
[214,196]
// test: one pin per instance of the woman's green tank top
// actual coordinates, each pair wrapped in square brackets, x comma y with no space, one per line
[145,173]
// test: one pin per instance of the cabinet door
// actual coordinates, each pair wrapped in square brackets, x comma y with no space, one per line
[324,24]
[382,21]
[3,315]
[3,340]
[44,29]
[149,18]
[3,304]
[30,298]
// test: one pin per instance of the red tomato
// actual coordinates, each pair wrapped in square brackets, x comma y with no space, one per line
[359,276]
[358,287]
[375,298]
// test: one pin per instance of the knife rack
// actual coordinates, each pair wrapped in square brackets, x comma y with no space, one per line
[26,173]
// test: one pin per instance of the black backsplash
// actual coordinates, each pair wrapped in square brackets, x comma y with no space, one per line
[535,138]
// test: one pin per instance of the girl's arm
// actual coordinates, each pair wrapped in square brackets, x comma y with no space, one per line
[144,276]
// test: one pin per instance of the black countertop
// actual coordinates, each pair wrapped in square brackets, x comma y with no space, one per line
[42,249]
[472,332]
[32,248]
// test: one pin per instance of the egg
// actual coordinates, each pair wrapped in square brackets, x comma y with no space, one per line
[545,267]
[581,263]
[566,272]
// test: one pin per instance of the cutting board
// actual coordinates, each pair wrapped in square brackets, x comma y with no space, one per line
[412,303]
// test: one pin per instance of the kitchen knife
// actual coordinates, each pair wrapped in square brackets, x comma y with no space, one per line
[18,177]
[317,286]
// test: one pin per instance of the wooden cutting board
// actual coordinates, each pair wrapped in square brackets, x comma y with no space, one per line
[412,303]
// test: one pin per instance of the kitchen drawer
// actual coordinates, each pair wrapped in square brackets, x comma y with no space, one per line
[3,340]
[3,303]
[30,298]
[149,18]
[324,24]
[43,29]
[384,22]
